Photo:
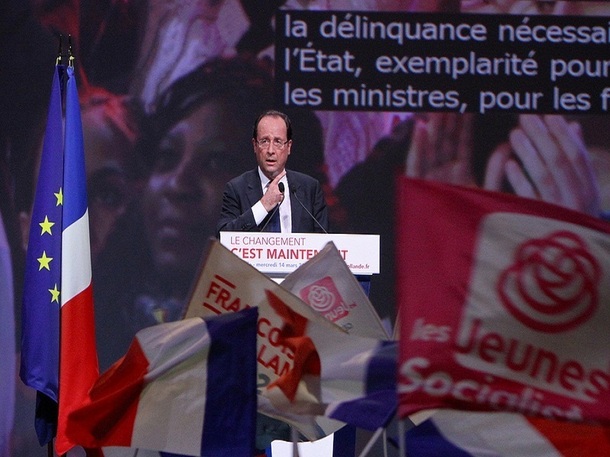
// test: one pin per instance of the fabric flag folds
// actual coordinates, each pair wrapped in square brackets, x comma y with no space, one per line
[57,284]
[42,280]
[227,284]
[326,283]
[469,434]
[344,377]
[186,387]
[78,355]
[316,379]
[503,305]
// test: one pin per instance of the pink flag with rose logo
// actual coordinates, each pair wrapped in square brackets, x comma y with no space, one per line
[503,305]
[326,283]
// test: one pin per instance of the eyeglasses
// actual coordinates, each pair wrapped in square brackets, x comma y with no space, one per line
[277,143]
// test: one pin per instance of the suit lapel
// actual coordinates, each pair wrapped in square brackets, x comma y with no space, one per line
[254,191]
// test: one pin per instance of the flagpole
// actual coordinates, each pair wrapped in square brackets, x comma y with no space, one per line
[402,438]
[58,61]
[295,441]
[70,64]
[371,442]
[385,442]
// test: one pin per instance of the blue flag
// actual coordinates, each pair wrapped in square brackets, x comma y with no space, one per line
[42,281]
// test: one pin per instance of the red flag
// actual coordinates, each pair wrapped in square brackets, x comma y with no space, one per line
[502,304]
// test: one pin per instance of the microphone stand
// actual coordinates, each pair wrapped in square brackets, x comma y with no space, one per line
[294,192]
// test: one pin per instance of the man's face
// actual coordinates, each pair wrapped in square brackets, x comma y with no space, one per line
[272,157]
[183,195]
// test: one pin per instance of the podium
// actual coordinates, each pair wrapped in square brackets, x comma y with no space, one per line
[279,254]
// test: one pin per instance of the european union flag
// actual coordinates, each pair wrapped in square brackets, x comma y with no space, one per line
[42,281]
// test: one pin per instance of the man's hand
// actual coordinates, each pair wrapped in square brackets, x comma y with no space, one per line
[273,196]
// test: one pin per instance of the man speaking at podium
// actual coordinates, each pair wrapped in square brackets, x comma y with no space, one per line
[271,198]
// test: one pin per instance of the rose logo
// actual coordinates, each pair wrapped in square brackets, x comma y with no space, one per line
[552,285]
[320,298]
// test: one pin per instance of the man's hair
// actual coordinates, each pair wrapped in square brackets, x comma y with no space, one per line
[274,113]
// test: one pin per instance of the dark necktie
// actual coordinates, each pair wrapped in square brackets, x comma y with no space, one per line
[274,222]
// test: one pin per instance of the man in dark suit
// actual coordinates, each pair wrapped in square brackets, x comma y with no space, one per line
[253,199]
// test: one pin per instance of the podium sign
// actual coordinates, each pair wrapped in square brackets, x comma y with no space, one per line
[282,253]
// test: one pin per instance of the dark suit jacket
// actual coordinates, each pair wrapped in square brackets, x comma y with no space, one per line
[243,192]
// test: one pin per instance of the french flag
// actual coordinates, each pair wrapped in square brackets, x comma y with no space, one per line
[78,367]
[470,434]
[186,387]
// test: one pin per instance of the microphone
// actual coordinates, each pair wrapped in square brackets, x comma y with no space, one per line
[294,192]
[281,188]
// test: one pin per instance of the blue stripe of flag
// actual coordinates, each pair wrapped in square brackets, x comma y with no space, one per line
[425,440]
[75,187]
[344,441]
[379,404]
[230,410]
